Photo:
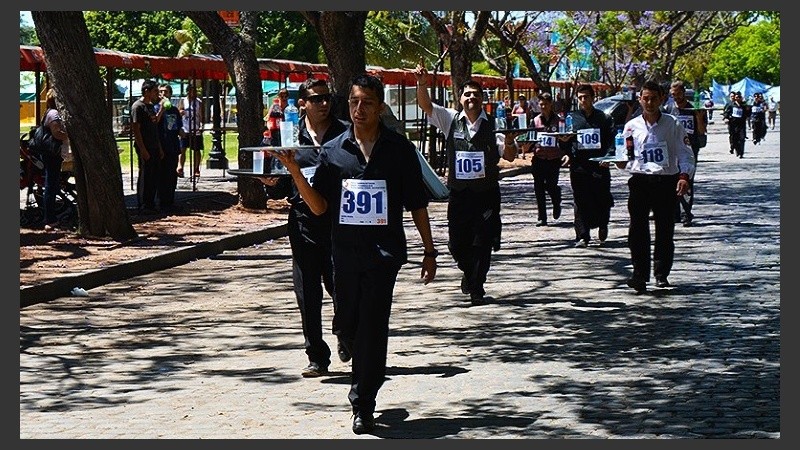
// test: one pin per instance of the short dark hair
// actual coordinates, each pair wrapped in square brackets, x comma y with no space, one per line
[307,85]
[167,87]
[678,84]
[652,85]
[366,81]
[471,83]
[585,88]
[149,85]
[545,97]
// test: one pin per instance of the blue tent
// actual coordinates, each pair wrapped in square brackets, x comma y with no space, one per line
[747,86]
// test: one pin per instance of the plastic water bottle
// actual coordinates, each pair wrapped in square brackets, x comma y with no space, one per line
[500,116]
[568,123]
[292,114]
[562,126]
[619,146]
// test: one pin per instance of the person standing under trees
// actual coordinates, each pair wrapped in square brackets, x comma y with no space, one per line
[694,122]
[662,165]
[52,161]
[147,144]
[191,109]
[310,234]
[473,153]
[590,180]
[366,177]
[170,132]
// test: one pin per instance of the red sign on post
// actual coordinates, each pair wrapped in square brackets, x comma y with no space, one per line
[230,17]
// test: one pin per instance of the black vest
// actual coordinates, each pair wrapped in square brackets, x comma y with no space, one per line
[483,141]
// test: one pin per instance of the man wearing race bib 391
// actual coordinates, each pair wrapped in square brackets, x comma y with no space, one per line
[366,177]
[661,163]
[473,152]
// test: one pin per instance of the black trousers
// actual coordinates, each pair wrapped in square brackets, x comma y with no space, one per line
[683,208]
[545,181]
[312,268]
[737,135]
[593,200]
[167,179]
[364,303]
[147,183]
[473,232]
[654,193]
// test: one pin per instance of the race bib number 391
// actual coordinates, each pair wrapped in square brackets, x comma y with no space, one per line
[364,202]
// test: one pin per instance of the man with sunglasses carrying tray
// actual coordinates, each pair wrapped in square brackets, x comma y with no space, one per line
[310,234]
[473,152]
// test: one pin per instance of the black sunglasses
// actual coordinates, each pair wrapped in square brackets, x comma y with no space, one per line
[319,98]
[471,93]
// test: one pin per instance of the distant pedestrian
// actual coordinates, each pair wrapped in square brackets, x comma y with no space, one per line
[736,114]
[773,105]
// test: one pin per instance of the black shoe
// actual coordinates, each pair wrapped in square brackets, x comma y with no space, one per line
[687,219]
[343,351]
[363,423]
[464,285]
[556,210]
[314,370]
[476,298]
[638,285]
[541,223]
[662,282]
[602,234]
[731,151]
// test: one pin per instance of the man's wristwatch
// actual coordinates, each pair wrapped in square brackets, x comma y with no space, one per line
[432,254]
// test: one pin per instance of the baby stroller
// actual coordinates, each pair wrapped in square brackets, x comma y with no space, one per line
[31,180]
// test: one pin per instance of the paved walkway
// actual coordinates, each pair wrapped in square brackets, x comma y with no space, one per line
[213,348]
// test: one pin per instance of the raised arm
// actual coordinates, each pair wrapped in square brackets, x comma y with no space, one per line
[423,97]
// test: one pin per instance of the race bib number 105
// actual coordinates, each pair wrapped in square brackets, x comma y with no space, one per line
[364,202]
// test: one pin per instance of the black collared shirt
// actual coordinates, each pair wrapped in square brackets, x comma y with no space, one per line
[393,159]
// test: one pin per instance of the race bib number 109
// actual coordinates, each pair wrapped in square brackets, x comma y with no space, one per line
[364,202]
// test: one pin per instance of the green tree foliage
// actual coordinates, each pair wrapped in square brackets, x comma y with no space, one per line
[753,52]
[143,32]
[396,39]
[27,33]
[287,35]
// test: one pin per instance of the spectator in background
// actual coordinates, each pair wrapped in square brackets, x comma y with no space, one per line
[191,109]
[147,144]
[520,108]
[170,132]
[52,161]
[772,106]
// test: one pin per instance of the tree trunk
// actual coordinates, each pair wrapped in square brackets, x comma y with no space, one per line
[238,52]
[342,36]
[74,74]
